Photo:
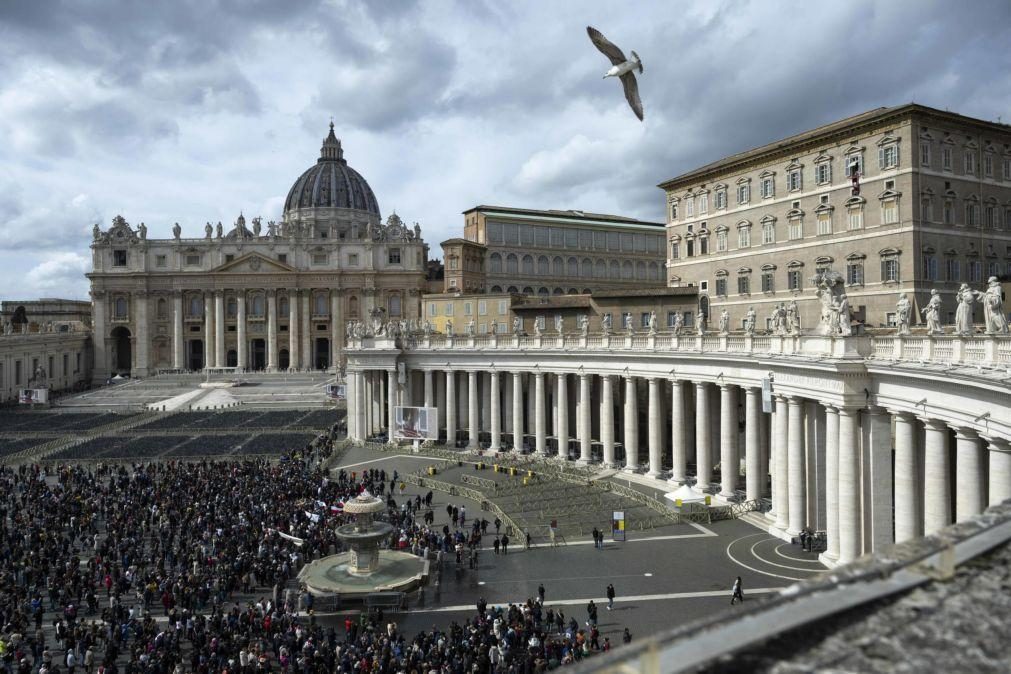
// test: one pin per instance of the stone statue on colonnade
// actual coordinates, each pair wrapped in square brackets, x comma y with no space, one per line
[749,322]
[724,322]
[932,313]
[841,316]
[517,325]
[605,324]
[679,324]
[652,322]
[700,323]
[903,315]
[828,286]
[993,308]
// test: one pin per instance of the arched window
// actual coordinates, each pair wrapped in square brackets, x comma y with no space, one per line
[196,306]
[495,263]
[512,264]
[282,305]
[319,304]
[542,292]
[572,267]
[543,266]
[257,308]
[395,304]
[586,268]
[353,307]
[162,308]
[528,290]
[513,289]
[573,291]
[528,265]
[496,289]
[557,267]
[119,308]
[640,270]
[615,269]
[626,270]
[654,271]
[600,269]
[557,291]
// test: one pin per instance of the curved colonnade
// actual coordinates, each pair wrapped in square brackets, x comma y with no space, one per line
[874,440]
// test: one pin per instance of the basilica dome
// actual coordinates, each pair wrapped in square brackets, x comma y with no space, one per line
[331,183]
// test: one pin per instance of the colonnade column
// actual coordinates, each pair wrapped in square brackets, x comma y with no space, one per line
[209,348]
[631,425]
[336,329]
[970,489]
[607,418]
[562,414]
[219,329]
[293,329]
[879,458]
[797,473]
[585,420]
[496,414]
[752,448]
[653,426]
[391,403]
[306,361]
[908,519]
[352,402]
[781,489]
[517,411]
[240,330]
[831,481]
[429,390]
[937,478]
[1000,470]
[703,438]
[360,426]
[450,408]
[540,423]
[679,450]
[178,345]
[849,485]
[143,338]
[730,462]
[272,334]
[472,410]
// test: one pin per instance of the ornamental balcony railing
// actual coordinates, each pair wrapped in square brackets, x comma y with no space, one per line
[992,351]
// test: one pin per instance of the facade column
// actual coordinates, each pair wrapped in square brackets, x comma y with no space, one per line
[562,414]
[240,331]
[485,380]
[970,487]
[730,461]
[679,446]
[936,478]
[540,434]
[908,519]
[850,516]
[607,418]
[703,438]
[585,420]
[653,426]
[781,488]
[752,447]
[360,392]
[472,410]
[210,350]
[517,411]
[272,337]
[143,338]
[336,329]
[101,369]
[1000,471]
[391,404]
[352,401]
[797,468]
[219,329]
[293,330]
[631,425]
[178,344]
[429,390]
[879,459]
[832,481]
[496,413]
[450,408]
[307,360]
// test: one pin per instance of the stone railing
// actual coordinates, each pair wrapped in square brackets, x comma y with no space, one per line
[992,351]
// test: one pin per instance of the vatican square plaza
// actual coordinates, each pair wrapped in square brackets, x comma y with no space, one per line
[805,364]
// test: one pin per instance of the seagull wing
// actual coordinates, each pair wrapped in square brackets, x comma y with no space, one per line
[604,45]
[632,93]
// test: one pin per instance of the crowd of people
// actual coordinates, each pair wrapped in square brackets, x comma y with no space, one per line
[190,567]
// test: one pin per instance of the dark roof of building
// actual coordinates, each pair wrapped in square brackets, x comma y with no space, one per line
[463,241]
[662,291]
[820,132]
[331,183]
[539,302]
[570,214]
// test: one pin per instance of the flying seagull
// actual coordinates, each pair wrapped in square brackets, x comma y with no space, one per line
[620,67]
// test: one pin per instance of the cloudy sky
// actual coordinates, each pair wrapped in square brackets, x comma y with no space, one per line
[192,111]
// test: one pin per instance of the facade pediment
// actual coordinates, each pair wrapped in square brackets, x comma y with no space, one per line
[253,263]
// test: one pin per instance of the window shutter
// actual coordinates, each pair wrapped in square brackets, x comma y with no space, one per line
[881,157]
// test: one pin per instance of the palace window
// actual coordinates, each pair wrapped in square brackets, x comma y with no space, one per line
[889,211]
[930,267]
[854,273]
[793,180]
[769,281]
[990,216]
[925,154]
[119,258]
[319,258]
[721,199]
[673,211]
[703,203]
[953,269]
[795,229]
[394,256]
[744,237]
[794,280]
[689,206]
[890,269]
[353,259]
[768,188]
[988,165]
[946,158]
[975,271]
[856,217]
[888,156]
[721,241]
[825,223]
[744,285]
[823,173]
[721,286]
[160,261]
[675,250]
[743,193]
[972,214]
[768,232]
[970,162]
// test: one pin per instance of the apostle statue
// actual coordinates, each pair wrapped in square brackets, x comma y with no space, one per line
[993,308]
[470,328]
[605,324]
[932,313]
[208,230]
[449,328]
[256,226]
[220,229]
[142,230]
[96,232]
[700,322]
[679,324]
[652,322]
[841,316]
[749,322]
[559,323]
[517,325]
[584,325]
[176,231]
[724,322]
[903,314]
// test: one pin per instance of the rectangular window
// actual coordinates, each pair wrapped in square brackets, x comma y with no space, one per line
[17,373]
[824,223]
[703,204]
[628,242]
[744,237]
[393,256]
[855,274]
[744,285]
[192,260]
[721,241]
[626,319]
[890,270]
[796,229]
[613,241]
[353,260]
[793,180]
[768,282]
[823,173]
[688,319]
[644,319]
[768,188]
[930,267]
[160,261]
[607,316]
[1006,162]
[119,258]
[482,308]
[673,213]
[946,158]
[854,164]
[599,240]
[721,199]
[970,162]
[447,309]
[433,310]
[671,318]
[888,156]
[988,165]
[721,286]
[794,281]
[319,258]
[541,236]
[990,217]
[690,248]
[925,154]
[890,320]
[953,269]
[856,218]
[975,271]
[229,257]
[494,232]
[468,308]
[482,328]
[527,235]
[743,193]
[972,215]
[675,251]
[948,212]
[768,233]
[283,257]
[690,206]
[889,212]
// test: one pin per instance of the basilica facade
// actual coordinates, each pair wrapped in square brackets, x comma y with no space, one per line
[269,296]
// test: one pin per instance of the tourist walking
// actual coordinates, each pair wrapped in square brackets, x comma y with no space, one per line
[540,592]
[610,596]
[738,592]
[505,544]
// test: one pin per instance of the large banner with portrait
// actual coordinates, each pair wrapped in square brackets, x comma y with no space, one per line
[337,391]
[416,423]
[33,396]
